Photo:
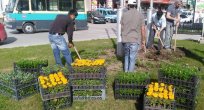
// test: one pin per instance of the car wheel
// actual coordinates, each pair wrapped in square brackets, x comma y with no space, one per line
[28,28]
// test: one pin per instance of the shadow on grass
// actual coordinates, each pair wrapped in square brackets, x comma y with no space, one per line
[192,55]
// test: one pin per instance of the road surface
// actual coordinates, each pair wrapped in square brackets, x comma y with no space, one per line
[95,31]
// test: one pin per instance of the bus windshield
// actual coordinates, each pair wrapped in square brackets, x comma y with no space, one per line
[111,12]
[10,6]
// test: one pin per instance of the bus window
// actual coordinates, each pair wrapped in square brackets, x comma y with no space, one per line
[79,5]
[65,5]
[52,5]
[38,5]
[23,5]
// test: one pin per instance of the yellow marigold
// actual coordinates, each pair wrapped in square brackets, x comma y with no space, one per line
[161,95]
[60,82]
[150,86]
[155,95]
[171,97]
[42,82]
[59,73]
[50,85]
[44,86]
[54,83]
[165,91]
[161,89]
[162,84]
[40,77]
[150,89]
[149,93]
[166,97]
[170,88]
[156,88]
[46,78]
[156,84]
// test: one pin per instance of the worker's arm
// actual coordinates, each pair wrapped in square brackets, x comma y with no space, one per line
[70,30]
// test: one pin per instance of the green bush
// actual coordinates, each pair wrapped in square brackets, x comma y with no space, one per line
[35,63]
[183,72]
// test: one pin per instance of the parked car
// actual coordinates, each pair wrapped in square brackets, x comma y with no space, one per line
[95,17]
[110,15]
[3,35]
[185,18]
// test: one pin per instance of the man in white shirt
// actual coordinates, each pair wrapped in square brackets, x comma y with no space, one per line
[158,27]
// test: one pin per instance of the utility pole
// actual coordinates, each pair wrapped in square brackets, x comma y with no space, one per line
[119,39]
[149,20]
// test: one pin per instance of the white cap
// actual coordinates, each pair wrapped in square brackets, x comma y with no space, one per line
[132,2]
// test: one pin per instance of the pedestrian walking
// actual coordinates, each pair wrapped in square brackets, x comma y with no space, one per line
[133,35]
[172,20]
[158,28]
[61,25]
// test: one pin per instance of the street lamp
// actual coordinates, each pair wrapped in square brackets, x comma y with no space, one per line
[119,39]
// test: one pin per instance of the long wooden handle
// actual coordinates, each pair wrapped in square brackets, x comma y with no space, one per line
[175,39]
[77,52]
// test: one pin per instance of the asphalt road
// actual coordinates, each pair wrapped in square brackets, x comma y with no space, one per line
[95,31]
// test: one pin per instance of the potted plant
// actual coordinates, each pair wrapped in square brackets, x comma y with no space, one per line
[18,84]
[159,96]
[130,85]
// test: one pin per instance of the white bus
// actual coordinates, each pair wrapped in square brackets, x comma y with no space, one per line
[30,16]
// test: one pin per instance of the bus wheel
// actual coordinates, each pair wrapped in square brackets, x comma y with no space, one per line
[28,28]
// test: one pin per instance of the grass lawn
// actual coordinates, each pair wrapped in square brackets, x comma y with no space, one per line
[192,54]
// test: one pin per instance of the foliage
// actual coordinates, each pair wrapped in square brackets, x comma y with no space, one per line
[87,82]
[130,91]
[177,71]
[19,76]
[55,68]
[31,63]
[87,92]
[93,69]
[57,103]
[132,78]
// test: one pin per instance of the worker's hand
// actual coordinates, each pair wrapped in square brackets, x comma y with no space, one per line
[177,20]
[71,44]
[154,27]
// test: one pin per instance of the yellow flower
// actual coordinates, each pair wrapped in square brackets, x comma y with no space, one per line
[170,88]
[162,84]
[46,78]
[44,86]
[156,88]
[155,95]
[161,95]
[161,89]
[149,93]
[40,77]
[50,85]
[165,91]
[150,86]
[156,84]
[150,89]
[165,97]
[171,97]
[60,82]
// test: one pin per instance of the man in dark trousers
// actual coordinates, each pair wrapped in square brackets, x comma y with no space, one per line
[61,25]
[133,34]
[172,19]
